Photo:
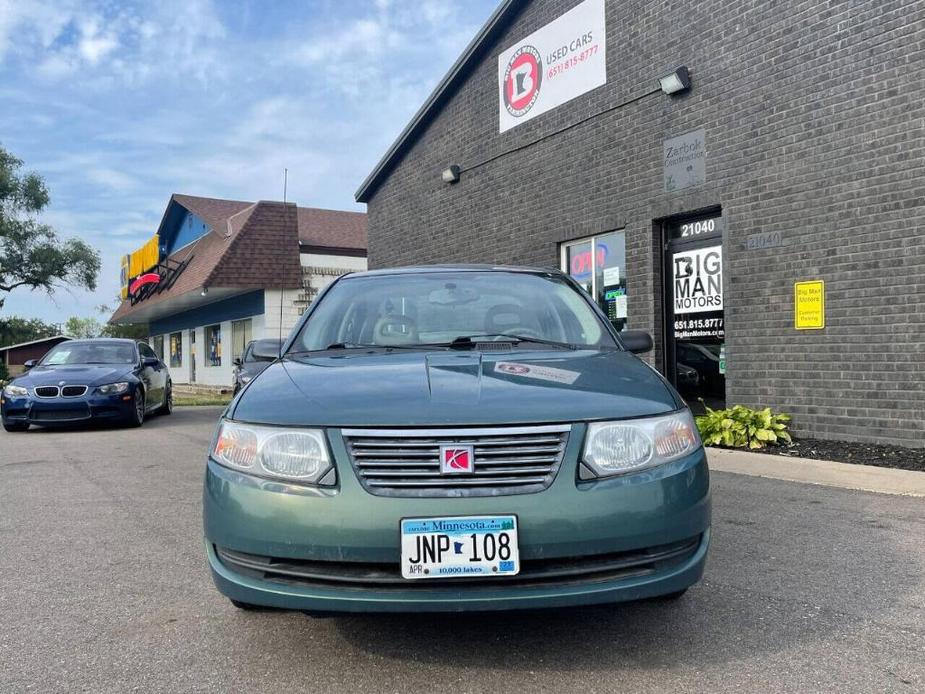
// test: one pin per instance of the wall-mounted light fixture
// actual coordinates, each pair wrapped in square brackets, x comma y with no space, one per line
[675,82]
[205,290]
[450,175]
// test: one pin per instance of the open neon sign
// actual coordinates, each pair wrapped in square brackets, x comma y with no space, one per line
[581,264]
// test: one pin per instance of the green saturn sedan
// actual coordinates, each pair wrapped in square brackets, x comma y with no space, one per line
[456,438]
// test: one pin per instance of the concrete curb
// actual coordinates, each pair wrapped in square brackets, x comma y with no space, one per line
[866,478]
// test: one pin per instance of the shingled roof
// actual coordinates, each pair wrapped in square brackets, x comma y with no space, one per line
[332,229]
[250,245]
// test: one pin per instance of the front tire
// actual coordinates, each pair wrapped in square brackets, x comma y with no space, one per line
[137,416]
[167,407]
[16,426]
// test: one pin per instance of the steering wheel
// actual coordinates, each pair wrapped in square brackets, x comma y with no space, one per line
[518,332]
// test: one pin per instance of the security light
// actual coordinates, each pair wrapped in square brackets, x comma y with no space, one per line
[205,290]
[677,81]
[451,175]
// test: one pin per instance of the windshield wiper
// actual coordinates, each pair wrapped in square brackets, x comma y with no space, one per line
[464,341]
[358,345]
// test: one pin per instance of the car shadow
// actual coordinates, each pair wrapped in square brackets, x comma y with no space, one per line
[780,578]
[651,633]
[186,415]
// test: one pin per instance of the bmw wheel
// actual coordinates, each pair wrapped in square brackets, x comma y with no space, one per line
[167,406]
[137,416]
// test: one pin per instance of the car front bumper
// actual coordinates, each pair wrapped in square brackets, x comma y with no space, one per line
[332,550]
[49,411]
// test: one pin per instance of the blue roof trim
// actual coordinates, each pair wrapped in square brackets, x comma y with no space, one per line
[234,308]
[498,21]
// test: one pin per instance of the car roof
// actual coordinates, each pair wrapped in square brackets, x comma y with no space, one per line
[90,340]
[462,267]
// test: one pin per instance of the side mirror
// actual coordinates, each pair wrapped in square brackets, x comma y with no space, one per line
[265,351]
[29,363]
[237,362]
[150,361]
[636,341]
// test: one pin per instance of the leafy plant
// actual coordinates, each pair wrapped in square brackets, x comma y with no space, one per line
[743,427]
[31,253]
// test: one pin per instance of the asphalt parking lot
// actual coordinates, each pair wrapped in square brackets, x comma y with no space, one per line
[104,588]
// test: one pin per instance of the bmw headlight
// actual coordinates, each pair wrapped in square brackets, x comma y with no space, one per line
[14,391]
[619,447]
[296,455]
[113,388]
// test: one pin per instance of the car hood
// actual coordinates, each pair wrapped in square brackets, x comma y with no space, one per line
[74,374]
[452,388]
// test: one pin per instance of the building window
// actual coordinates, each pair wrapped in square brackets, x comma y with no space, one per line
[241,334]
[158,345]
[599,265]
[214,345]
[176,349]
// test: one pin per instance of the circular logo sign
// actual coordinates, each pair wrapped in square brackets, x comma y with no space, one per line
[522,79]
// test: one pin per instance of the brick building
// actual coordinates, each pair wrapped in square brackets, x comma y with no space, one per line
[220,273]
[796,154]
[14,357]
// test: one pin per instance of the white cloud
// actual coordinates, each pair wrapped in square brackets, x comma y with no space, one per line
[138,100]
[95,44]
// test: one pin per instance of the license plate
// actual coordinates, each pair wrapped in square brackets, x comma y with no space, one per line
[459,547]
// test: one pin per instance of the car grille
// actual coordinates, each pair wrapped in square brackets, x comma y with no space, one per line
[406,462]
[73,391]
[533,572]
[60,415]
[47,391]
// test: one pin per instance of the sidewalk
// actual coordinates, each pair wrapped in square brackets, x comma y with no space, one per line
[847,476]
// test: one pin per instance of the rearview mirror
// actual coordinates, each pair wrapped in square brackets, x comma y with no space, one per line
[29,363]
[636,341]
[237,361]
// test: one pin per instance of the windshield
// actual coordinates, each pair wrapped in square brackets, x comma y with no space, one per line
[90,353]
[438,308]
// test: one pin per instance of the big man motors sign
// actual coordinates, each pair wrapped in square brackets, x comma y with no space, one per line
[554,64]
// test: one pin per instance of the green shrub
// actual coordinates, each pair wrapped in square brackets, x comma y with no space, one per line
[743,427]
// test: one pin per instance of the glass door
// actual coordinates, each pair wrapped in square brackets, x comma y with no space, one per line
[695,321]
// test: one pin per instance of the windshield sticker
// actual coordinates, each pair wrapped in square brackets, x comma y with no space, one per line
[543,373]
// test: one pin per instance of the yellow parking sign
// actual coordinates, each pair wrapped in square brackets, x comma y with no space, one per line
[809,305]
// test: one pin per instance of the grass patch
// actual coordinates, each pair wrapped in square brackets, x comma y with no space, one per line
[201,399]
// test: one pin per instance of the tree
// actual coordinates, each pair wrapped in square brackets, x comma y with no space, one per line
[14,330]
[134,331]
[82,327]
[31,254]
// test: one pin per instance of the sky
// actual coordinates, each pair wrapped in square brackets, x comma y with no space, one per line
[119,104]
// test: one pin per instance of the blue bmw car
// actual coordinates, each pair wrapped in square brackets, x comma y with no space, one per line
[82,380]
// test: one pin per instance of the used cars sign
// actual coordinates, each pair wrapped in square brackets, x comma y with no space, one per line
[554,64]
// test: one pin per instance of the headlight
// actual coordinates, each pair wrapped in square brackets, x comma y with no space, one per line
[298,455]
[615,448]
[113,388]
[14,391]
